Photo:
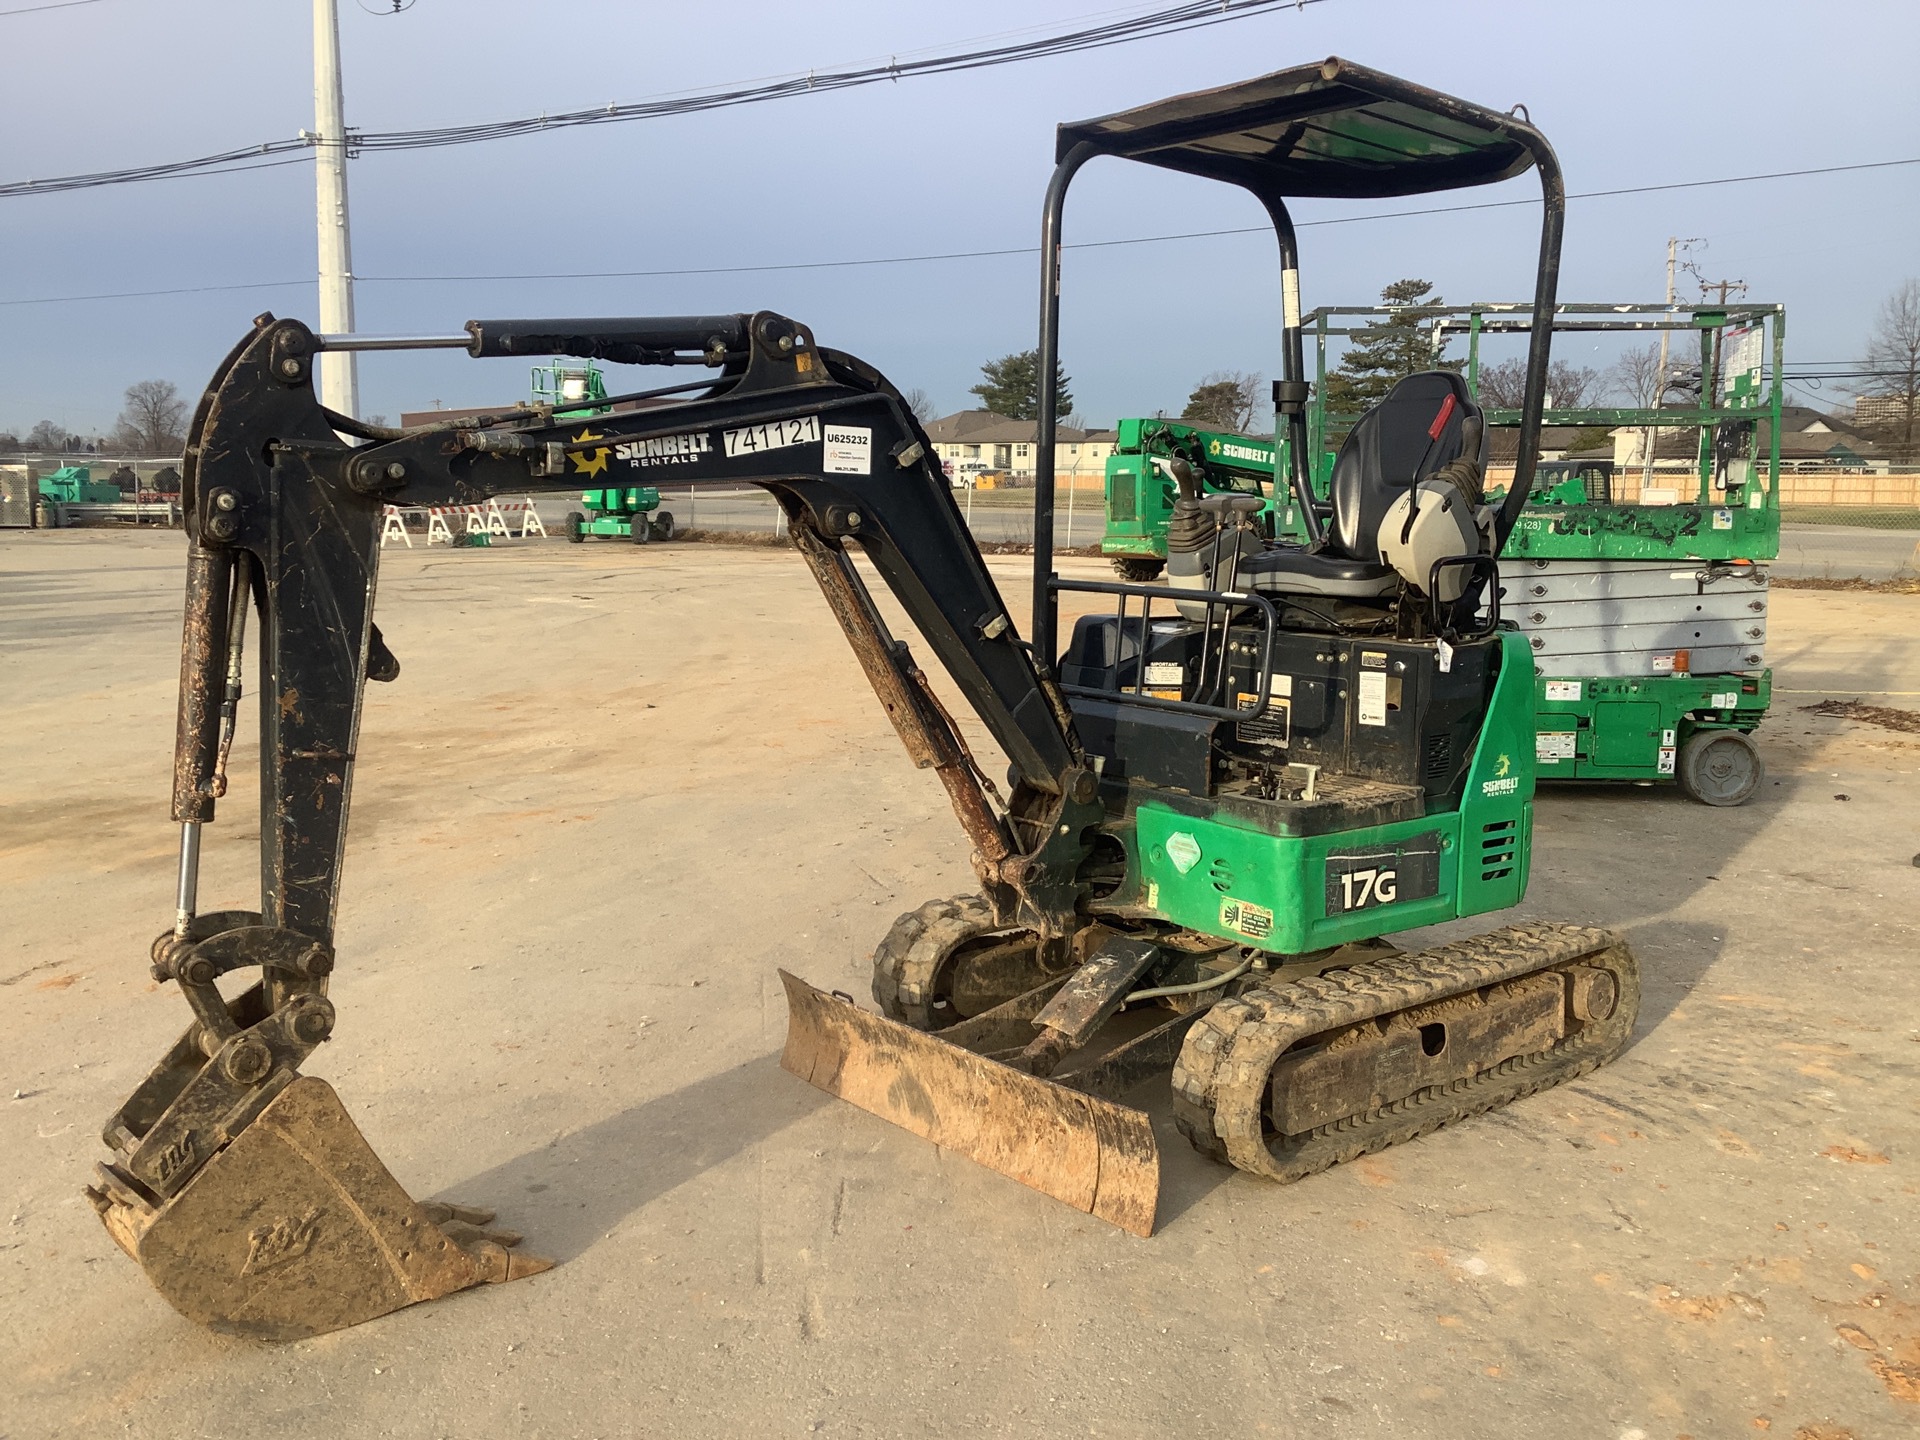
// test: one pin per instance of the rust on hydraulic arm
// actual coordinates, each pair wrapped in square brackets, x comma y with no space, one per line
[931,741]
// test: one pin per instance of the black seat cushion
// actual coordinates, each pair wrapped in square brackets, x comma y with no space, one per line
[1393,444]
[1289,571]
[1320,565]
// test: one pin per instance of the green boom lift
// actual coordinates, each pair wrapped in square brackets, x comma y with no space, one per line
[624,512]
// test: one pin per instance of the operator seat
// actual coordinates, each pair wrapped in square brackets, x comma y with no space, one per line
[1423,424]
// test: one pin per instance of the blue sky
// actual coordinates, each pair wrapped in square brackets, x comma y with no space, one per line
[1631,93]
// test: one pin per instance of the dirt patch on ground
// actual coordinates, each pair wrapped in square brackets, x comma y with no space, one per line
[757,539]
[1847,1154]
[1889,717]
[1899,585]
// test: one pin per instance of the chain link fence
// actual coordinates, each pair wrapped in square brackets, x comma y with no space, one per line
[1840,524]
[1835,524]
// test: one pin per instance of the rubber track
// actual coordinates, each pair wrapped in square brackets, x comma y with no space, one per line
[908,958]
[1220,1079]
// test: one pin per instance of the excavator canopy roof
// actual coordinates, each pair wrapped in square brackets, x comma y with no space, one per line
[1334,129]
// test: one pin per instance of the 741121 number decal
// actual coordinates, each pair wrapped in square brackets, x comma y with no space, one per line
[774,435]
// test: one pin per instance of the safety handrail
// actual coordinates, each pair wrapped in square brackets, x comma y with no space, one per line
[1211,674]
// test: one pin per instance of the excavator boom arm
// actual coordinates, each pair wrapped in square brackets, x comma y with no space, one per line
[273,489]
[284,505]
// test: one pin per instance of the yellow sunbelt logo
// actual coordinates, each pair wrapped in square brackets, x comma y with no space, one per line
[594,464]
[1503,782]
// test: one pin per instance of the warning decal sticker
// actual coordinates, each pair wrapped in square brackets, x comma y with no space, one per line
[848,450]
[1245,918]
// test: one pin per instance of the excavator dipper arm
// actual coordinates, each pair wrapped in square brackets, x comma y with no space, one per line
[242,1186]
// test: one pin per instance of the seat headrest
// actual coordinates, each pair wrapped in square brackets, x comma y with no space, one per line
[1426,422]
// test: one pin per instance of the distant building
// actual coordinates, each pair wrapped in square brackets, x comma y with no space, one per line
[1874,410]
[1809,440]
[972,443]
[1556,443]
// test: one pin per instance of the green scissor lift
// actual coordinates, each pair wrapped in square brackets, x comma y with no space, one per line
[1647,620]
[625,512]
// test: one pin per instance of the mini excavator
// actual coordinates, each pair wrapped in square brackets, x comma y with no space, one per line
[1224,791]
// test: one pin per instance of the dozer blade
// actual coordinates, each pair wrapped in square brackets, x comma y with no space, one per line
[1089,1153]
[296,1228]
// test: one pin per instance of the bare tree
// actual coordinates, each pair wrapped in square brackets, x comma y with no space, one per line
[1224,400]
[150,422]
[1647,385]
[1893,355]
[1637,376]
[922,406]
[1569,387]
[48,437]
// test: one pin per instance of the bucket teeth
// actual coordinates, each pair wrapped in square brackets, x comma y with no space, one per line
[296,1229]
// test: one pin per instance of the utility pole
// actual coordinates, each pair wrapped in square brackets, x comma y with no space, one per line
[1710,382]
[1674,242]
[339,380]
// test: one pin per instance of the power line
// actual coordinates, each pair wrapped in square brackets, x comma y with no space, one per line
[148,294]
[1177,19]
[974,254]
[35,9]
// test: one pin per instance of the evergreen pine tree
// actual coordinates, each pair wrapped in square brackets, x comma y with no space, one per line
[1011,387]
[1386,352]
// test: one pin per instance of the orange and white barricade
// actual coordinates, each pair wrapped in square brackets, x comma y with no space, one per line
[494,518]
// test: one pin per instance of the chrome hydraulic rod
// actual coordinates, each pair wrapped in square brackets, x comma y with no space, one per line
[393,342]
[187,895]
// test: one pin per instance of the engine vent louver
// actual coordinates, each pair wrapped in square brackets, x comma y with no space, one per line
[1498,843]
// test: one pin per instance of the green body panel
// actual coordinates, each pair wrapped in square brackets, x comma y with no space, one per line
[1140,497]
[1631,728]
[1645,532]
[1270,891]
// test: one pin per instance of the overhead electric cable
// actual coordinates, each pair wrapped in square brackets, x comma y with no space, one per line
[58,5]
[1177,19]
[980,254]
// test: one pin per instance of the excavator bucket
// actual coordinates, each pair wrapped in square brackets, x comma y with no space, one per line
[295,1228]
[1087,1152]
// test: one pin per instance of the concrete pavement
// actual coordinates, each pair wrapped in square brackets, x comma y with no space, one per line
[609,794]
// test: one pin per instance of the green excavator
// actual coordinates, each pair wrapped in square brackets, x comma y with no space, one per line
[1223,792]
